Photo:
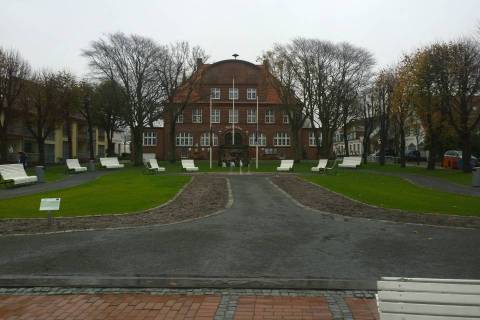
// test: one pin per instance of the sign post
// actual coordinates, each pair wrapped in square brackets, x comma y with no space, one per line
[49,205]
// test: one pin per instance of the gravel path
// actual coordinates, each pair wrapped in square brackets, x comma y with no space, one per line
[203,196]
[319,198]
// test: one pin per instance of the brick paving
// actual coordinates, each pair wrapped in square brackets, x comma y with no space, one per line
[363,309]
[212,304]
[270,307]
[108,307]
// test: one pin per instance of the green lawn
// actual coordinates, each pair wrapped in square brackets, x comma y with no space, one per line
[456,176]
[52,172]
[126,190]
[394,192]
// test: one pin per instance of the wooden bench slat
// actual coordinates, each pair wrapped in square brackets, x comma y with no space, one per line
[429,287]
[398,316]
[430,280]
[429,297]
[430,309]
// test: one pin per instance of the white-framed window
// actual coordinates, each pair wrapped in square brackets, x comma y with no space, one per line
[281,139]
[197,115]
[150,138]
[180,118]
[233,93]
[285,119]
[215,116]
[215,93]
[262,140]
[269,116]
[251,116]
[184,139]
[205,139]
[232,118]
[251,93]
[311,139]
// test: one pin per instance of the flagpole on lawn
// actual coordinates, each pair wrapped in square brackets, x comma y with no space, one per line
[256,138]
[211,137]
[233,107]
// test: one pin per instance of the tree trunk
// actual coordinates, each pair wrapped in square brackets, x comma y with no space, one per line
[69,140]
[110,145]
[172,138]
[3,145]
[41,151]
[432,154]
[297,150]
[90,141]
[137,133]
[345,140]
[466,152]
[366,144]
[402,147]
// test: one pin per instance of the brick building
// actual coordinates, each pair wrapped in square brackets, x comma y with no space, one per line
[224,84]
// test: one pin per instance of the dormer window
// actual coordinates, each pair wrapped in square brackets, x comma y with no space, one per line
[215,93]
[251,93]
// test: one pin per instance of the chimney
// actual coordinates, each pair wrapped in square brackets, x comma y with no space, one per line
[199,62]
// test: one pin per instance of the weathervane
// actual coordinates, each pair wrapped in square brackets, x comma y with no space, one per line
[235,56]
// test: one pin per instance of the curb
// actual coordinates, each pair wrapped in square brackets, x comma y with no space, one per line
[7,281]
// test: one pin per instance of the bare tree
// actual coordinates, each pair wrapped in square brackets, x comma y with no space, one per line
[14,71]
[86,109]
[67,90]
[180,73]
[382,93]
[402,103]
[42,108]
[132,61]
[109,104]
[281,76]
[368,116]
[463,111]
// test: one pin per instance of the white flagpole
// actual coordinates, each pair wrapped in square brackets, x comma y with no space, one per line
[256,140]
[233,115]
[211,136]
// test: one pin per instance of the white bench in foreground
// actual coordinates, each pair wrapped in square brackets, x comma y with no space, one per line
[285,165]
[350,162]
[428,299]
[15,173]
[110,163]
[189,165]
[74,165]
[152,165]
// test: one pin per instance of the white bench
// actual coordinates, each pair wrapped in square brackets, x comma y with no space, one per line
[74,166]
[321,166]
[350,162]
[152,165]
[189,165]
[428,299]
[110,163]
[285,165]
[15,173]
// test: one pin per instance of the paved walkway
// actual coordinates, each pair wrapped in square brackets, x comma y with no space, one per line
[71,180]
[264,234]
[186,304]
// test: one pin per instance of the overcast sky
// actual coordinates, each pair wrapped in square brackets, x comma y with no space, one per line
[51,33]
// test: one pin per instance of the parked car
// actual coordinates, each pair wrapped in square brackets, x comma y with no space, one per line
[453,159]
[414,155]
